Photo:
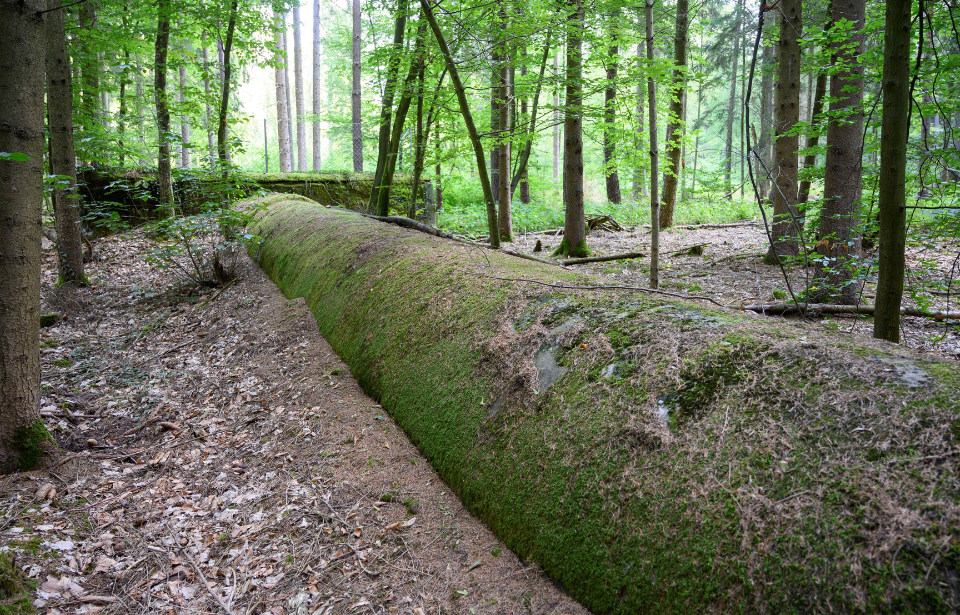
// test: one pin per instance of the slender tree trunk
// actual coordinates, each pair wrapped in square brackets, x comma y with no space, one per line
[283,112]
[164,176]
[439,181]
[89,68]
[675,126]
[386,105]
[66,206]
[406,96]
[21,184]
[208,122]
[732,103]
[222,151]
[419,146]
[298,86]
[495,60]
[123,111]
[767,67]
[610,111]
[894,130]
[504,211]
[317,71]
[654,155]
[556,120]
[810,160]
[839,244]
[786,229]
[639,183]
[223,82]
[141,138]
[184,120]
[574,224]
[528,140]
[291,130]
[468,121]
[357,116]
[521,177]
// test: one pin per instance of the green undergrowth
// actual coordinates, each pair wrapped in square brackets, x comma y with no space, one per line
[652,455]
[15,590]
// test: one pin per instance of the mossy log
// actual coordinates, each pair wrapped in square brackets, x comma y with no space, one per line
[652,455]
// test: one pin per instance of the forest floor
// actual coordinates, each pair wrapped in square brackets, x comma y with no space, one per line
[216,456]
[727,266]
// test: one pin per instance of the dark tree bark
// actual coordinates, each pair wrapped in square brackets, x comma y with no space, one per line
[504,210]
[894,130]
[355,110]
[386,105]
[654,193]
[164,176]
[810,159]
[468,121]
[574,224]
[66,206]
[767,66]
[676,124]
[495,60]
[419,146]
[610,111]
[317,68]
[838,243]
[298,92]
[786,228]
[21,184]
[222,150]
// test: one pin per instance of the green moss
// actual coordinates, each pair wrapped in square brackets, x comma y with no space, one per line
[48,320]
[62,362]
[28,441]
[563,249]
[15,590]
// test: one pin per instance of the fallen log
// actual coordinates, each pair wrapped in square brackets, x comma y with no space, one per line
[602,259]
[651,454]
[785,309]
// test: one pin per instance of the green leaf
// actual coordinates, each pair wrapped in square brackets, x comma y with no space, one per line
[14,156]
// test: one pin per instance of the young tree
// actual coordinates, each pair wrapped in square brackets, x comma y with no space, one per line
[556,119]
[574,224]
[786,228]
[610,110]
[356,114]
[894,131]
[208,116]
[838,243]
[66,206]
[298,86]
[164,174]
[317,71]
[732,99]
[675,125]
[386,105]
[21,184]
[654,203]
[283,111]
[639,186]
[505,215]
[226,67]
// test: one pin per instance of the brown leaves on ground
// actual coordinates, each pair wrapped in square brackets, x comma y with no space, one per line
[220,458]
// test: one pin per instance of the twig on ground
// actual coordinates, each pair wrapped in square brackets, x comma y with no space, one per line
[783,309]
[602,259]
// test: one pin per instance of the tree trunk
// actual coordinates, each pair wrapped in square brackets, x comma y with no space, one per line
[894,130]
[406,96]
[786,228]
[654,191]
[141,134]
[63,162]
[468,121]
[530,130]
[298,86]
[574,224]
[419,146]
[675,126]
[504,213]
[356,114]
[732,102]
[222,150]
[610,111]
[639,184]
[291,130]
[495,61]
[283,112]
[556,120]
[386,104]
[208,107]
[164,176]
[810,160]
[89,69]
[839,244]
[21,184]
[767,67]
[317,70]
[184,120]
[123,112]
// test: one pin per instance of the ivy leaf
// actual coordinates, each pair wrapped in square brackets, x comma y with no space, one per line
[14,156]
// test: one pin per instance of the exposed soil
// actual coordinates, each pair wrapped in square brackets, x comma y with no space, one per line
[219,436]
[728,267]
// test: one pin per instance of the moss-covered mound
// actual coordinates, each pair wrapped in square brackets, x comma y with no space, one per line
[652,455]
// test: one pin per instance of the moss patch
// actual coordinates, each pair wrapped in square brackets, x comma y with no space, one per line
[28,442]
[14,588]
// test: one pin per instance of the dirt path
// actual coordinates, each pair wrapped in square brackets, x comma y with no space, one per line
[227,441]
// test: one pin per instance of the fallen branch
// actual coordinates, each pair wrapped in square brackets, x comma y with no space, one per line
[531,258]
[696,250]
[603,259]
[785,309]
[693,227]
